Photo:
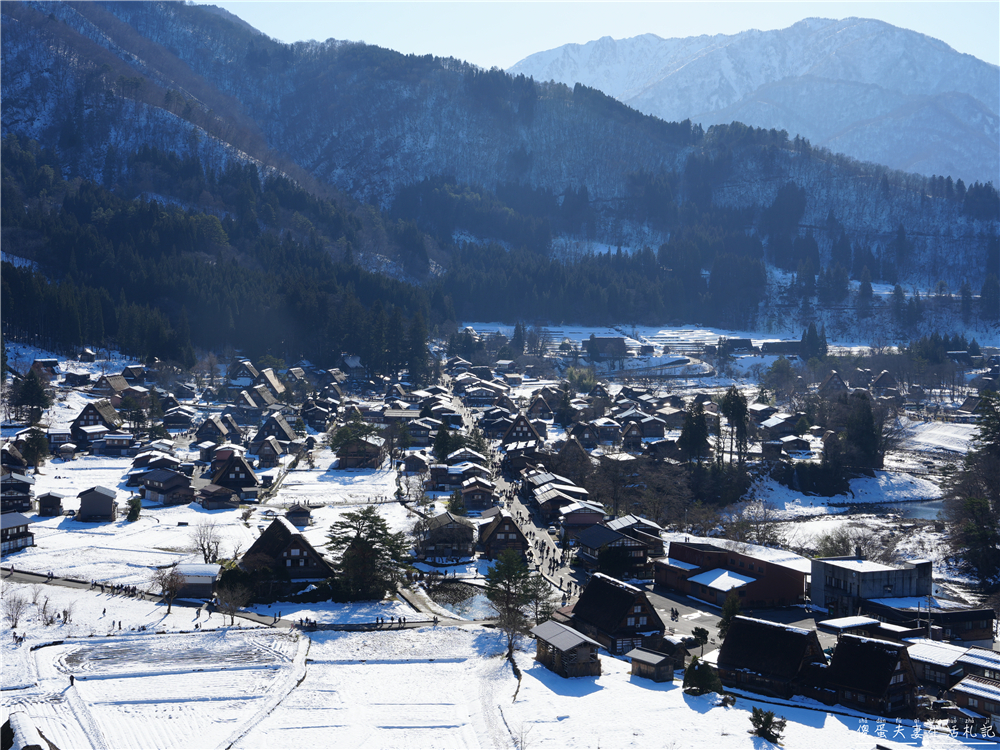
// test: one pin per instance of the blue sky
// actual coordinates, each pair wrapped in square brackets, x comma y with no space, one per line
[501,33]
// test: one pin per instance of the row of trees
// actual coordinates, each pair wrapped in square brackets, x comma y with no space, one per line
[972,507]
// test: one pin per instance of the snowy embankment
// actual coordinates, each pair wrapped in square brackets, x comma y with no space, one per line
[885,488]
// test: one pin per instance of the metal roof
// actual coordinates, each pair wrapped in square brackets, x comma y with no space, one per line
[10,520]
[934,652]
[561,636]
[647,657]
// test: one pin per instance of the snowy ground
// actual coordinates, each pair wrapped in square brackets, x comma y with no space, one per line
[939,436]
[324,485]
[421,688]
[92,614]
[332,612]
[621,711]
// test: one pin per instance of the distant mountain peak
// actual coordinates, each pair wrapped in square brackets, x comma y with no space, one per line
[770,79]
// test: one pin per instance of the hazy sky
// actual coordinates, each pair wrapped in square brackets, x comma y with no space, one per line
[501,33]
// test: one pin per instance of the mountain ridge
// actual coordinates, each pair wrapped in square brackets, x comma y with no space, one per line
[713,79]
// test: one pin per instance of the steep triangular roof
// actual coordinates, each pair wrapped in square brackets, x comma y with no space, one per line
[606,602]
[769,648]
[520,430]
[276,538]
[864,664]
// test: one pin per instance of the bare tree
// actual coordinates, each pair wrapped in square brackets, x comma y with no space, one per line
[36,592]
[15,606]
[753,522]
[232,598]
[169,582]
[67,612]
[206,540]
[889,430]
[850,539]
[43,610]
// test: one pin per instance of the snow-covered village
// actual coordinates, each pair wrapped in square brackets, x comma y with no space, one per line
[508,375]
[261,556]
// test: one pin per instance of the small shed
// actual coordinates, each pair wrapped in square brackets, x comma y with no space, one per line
[199,580]
[299,515]
[566,651]
[652,665]
[67,451]
[50,504]
[98,504]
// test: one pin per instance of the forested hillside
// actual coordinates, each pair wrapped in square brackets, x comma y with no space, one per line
[243,166]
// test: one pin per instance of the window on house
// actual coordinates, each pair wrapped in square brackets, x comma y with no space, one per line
[288,563]
[896,679]
[295,552]
[642,620]
[973,703]
[637,608]
[630,622]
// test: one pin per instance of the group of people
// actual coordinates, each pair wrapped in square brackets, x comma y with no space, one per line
[674,614]
[393,620]
[116,589]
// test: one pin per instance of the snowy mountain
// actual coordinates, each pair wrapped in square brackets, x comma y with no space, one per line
[860,87]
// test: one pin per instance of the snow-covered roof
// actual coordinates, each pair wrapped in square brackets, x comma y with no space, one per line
[858,565]
[198,570]
[712,657]
[620,584]
[846,623]
[674,563]
[721,579]
[982,657]
[934,652]
[980,687]
[782,626]
[918,602]
[582,507]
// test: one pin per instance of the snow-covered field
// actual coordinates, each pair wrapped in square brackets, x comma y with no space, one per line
[939,436]
[195,690]
[420,688]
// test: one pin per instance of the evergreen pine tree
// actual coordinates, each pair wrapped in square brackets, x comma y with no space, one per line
[417,358]
[966,303]
[730,608]
[864,303]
